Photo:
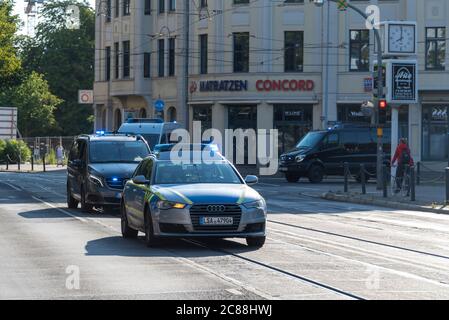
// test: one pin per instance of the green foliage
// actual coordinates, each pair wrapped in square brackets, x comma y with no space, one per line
[65,57]
[14,148]
[9,62]
[36,106]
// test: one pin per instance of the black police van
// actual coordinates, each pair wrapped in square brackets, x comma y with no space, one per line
[323,153]
[99,166]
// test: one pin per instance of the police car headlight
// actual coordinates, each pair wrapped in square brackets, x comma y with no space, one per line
[96,180]
[300,158]
[166,205]
[259,204]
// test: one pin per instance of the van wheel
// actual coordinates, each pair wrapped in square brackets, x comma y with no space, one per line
[87,208]
[316,174]
[127,231]
[71,202]
[292,178]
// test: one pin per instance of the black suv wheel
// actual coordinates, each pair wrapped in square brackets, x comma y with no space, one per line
[87,208]
[316,174]
[72,203]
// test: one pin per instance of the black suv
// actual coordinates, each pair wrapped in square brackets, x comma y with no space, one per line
[99,166]
[322,153]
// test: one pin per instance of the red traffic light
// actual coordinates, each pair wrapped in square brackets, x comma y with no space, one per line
[382,104]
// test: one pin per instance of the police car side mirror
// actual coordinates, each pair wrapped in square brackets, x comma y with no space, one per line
[251,180]
[141,180]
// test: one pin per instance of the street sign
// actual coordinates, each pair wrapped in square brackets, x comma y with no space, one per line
[8,123]
[402,81]
[85,96]
[159,105]
[342,5]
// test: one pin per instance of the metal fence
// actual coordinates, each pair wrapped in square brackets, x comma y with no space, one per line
[46,145]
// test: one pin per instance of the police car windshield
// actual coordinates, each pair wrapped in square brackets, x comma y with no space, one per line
[310,140]
[168,172]
[118,151]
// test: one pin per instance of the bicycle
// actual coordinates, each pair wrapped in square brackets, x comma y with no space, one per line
[405,185]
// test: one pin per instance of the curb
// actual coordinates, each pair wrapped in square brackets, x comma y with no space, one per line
[381,203]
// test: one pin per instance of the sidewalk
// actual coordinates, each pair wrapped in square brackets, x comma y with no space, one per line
[26,168]
[429,198]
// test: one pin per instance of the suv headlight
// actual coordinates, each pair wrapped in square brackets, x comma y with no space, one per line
[259,204]
[300,158]
[166,205]
[98,181]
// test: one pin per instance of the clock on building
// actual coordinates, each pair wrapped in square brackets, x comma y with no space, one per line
[399,38]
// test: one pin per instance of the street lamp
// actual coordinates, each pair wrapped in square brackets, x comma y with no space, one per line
[320,3]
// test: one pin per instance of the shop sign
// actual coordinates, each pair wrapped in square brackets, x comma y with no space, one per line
[224,85]
[439,113]
[285,85]
[402,80]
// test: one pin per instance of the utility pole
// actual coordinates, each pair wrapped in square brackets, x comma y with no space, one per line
[187,61]
[344,4]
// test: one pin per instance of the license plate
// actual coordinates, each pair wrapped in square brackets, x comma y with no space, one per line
[216,221]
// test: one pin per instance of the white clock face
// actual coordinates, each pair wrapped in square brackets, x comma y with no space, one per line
[401,38]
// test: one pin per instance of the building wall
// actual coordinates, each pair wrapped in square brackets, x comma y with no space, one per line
[326,59]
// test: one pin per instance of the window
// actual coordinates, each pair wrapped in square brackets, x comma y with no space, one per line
[161,6]
[203,4]
[359,50]
[117,59]
[161,58]
[108,63]
[126,59]
[108,10]
[435,48]
[241,52]
[171,57]
[203,54]
[241,1]
[147,7]
[171,5]
[126,7]
[294,51]
[146,64]
[117,8]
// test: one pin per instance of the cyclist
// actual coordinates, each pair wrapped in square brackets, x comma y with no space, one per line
[403,157]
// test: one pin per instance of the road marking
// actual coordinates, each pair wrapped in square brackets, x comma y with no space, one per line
[59,209]
[12,186]
[393,271]
[235,292]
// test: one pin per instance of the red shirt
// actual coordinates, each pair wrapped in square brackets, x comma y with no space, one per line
[402,147]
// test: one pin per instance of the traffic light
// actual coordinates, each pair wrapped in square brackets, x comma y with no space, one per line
[383,106]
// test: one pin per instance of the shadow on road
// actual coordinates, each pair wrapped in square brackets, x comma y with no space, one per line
[118,246]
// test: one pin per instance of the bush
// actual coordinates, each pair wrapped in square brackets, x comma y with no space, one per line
[14,148]
[2,150]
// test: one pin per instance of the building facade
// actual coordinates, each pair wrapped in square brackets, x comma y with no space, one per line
[265,64]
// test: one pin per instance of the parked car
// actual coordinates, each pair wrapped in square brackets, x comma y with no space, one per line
[99,166]
[323,153]
[167,198]
[154,131]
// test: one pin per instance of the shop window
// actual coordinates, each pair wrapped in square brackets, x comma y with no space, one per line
[203,114]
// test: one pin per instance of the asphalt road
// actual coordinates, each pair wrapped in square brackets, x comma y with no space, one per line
[315,250]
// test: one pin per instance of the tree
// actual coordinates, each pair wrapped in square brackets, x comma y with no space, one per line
[9,62]
[66,58]
[36,106]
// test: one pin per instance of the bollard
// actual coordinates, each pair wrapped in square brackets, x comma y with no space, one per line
[418,174]
[447,185]
[18,162]
[412,184]
[7,163]
[43,161]
[385,177]
[363,178]
[32,163]
[346,168]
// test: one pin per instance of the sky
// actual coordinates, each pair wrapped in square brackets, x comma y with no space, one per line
[21,4]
